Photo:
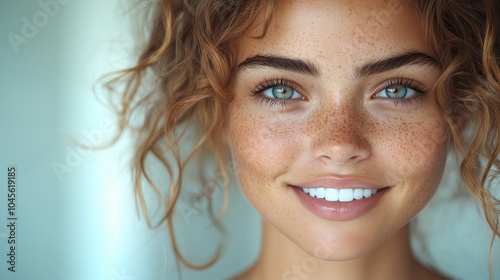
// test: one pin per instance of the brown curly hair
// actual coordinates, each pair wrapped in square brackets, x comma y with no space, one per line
[465,36]
[188,61]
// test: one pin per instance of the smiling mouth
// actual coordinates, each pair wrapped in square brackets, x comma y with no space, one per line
[342,195]
[340,204]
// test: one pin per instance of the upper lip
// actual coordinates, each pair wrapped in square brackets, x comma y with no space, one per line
[339,183]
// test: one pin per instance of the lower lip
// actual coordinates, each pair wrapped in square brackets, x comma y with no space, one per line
[339,211]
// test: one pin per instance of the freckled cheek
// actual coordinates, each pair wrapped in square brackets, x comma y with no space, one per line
[420,159]
[415,165]
[262,148]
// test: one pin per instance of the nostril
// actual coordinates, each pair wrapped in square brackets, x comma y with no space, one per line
[337,152]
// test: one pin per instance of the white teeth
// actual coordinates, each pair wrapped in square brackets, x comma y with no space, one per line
[320,192]
[312,192]
[346,195]
[343,195]
[358,194]
[332,194]
[367,193]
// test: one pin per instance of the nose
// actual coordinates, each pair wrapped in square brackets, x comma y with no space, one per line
[341,138]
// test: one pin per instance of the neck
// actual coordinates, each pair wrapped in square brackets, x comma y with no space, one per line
[282,259]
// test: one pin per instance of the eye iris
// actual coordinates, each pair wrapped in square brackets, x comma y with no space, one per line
[282,92]
[396,91]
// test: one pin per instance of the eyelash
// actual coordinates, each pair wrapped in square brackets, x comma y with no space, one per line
[411,84]
[267,84]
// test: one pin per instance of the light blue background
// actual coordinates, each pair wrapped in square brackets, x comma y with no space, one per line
[82,224]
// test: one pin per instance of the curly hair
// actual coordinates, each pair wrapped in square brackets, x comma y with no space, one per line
[465,36]
[187,63]
[189,60]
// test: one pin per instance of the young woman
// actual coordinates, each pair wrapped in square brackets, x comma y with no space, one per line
[338,116]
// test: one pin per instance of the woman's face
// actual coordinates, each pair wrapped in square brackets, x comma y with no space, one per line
[333,127]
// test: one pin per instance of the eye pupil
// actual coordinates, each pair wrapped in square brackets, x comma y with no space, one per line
[396,91]
[282,92]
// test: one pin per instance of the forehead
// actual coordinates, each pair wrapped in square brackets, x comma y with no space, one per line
[342,31]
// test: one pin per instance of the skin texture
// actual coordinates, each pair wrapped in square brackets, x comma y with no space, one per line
[338,126]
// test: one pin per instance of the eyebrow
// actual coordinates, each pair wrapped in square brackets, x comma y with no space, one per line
[395,62]
[371,68]
[289,64]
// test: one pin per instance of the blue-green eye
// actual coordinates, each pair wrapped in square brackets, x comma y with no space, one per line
[281,92]
[397,92]
[277,92]
[401,90]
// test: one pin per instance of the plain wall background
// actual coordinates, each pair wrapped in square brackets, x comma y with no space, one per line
[82,224]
